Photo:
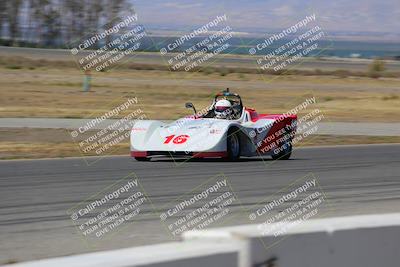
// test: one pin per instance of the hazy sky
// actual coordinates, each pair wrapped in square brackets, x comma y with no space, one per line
[336,15]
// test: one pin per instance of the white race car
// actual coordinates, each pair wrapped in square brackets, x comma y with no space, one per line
[226,129]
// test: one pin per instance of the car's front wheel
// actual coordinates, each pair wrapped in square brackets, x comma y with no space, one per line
[233,145]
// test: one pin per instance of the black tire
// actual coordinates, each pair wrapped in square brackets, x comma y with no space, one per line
[283,157]
[233,146]
[142,159]
[284,154]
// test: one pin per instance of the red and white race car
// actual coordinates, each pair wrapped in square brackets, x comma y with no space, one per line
[226,129]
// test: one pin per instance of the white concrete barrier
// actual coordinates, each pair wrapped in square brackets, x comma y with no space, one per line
[176,254]
[356,241]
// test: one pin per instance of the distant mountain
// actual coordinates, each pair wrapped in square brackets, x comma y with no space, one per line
[260,16]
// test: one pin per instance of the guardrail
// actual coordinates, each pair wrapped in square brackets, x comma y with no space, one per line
[355,241]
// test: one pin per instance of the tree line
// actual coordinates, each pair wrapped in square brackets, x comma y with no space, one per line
[55,23]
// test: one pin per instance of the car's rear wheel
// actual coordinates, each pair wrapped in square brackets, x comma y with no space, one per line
[233,144]
[142,159]
[285,151]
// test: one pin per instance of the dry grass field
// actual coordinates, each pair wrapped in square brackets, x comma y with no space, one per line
[49,92]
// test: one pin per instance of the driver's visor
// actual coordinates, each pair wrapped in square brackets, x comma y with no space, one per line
[221,109]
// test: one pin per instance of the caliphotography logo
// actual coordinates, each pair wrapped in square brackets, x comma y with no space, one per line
[108,131]
[108,211]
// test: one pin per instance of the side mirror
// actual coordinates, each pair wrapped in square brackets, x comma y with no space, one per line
[190,105]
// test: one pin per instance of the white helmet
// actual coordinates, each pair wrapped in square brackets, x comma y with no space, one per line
[222,108]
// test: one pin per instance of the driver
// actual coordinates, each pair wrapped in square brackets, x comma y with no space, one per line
[223,109]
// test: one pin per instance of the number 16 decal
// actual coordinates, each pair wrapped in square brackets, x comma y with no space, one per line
[180,139]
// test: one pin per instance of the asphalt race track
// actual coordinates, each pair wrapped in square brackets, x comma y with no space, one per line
[36,194]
